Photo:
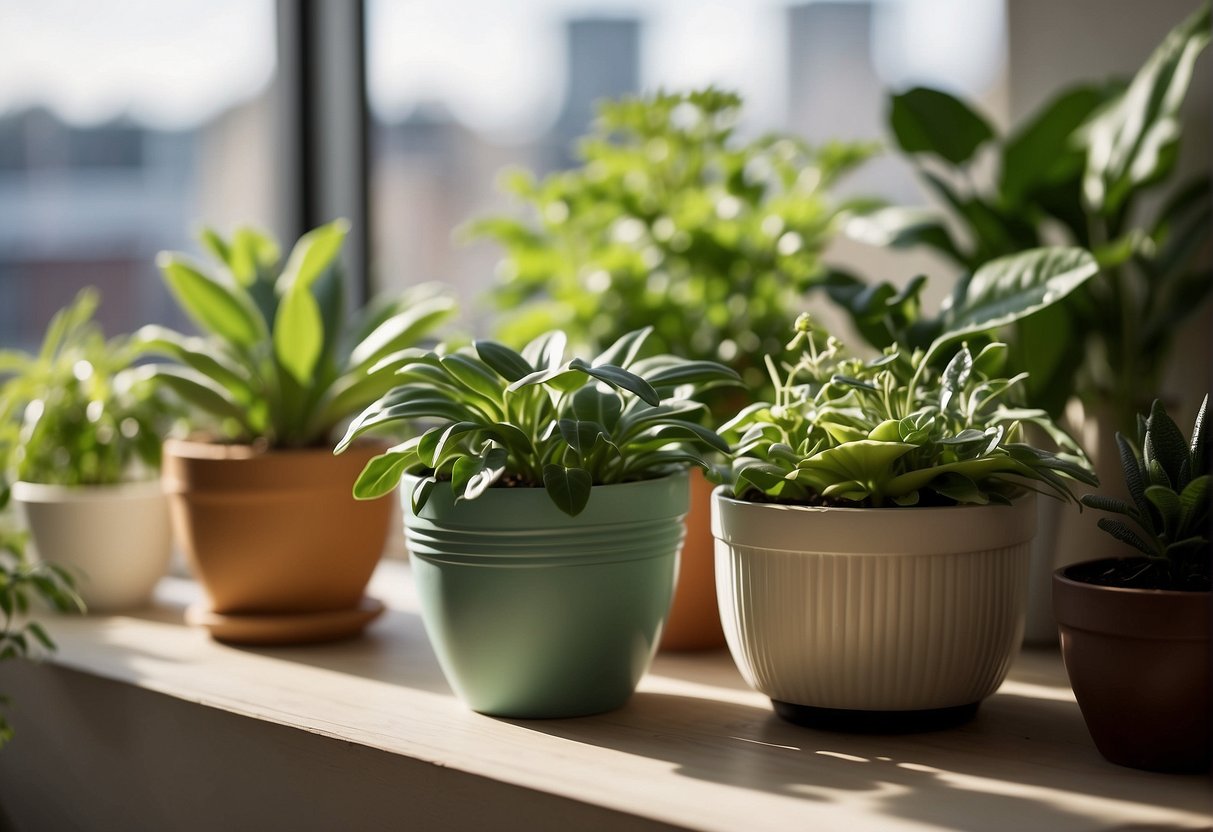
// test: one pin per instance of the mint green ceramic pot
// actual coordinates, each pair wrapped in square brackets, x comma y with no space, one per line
[535,614]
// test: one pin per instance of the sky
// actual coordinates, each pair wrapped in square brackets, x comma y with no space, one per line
[496,64]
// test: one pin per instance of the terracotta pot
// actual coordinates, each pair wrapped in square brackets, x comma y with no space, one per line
[873,619]
[275,532]
[694,622]
[1139,663]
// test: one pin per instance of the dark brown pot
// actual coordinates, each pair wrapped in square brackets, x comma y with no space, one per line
[1139,663]
[694,622]
[275,532]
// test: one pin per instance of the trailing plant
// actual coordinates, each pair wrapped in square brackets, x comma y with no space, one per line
[670,211]
[1168,515]
[894,431]
[22,580]
[533,419]
[78,412]
[1082,167]
[279,362]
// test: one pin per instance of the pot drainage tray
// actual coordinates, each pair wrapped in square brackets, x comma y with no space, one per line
[290,628]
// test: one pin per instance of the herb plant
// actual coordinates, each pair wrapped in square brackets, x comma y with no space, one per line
[893,431]
[1082,167]
[21,581]
[532,419]
[279,363]
[671,211]
[79,412]
[1168,482]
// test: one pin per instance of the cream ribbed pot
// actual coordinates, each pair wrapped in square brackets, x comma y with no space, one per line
[872,610]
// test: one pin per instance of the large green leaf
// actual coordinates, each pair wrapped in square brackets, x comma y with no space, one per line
[1131,142]
[213,306]
[1011,288]
[382,474]
[929,121]
[197,353]
[1042,151]
[202,392]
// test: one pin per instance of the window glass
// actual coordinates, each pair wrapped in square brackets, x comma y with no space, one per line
[461,88]
[123,126]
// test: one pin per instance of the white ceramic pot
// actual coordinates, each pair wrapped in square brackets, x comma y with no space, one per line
[115,539]
[876,619]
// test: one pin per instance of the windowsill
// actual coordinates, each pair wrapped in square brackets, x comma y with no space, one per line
[695,747]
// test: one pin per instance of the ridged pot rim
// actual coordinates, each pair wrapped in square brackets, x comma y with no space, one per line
[40,492]
[935,530]
[539,510]
[1167,614]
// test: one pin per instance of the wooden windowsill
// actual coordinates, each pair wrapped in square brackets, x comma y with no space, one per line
[695,747]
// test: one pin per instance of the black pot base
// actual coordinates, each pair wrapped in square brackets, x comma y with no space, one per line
[875,722]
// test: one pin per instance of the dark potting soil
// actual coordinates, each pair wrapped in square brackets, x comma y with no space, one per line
[1139,573]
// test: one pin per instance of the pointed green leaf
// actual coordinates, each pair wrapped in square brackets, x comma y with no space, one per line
[212,306]
[505,362]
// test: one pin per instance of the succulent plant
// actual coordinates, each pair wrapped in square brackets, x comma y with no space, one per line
[894,431]
[533,419]
[1168,482]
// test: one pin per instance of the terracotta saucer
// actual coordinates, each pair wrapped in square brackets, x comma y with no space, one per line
[302,628]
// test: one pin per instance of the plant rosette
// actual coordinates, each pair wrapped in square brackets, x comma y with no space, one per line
[1135,632]
[264,512]
[872,552]
[544,513]
[80,430]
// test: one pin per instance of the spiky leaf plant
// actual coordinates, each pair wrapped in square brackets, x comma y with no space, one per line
[1167,517]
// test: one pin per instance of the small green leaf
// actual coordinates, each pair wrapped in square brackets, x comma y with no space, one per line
[624,351]
[505,362]
[569,488]
[382,474]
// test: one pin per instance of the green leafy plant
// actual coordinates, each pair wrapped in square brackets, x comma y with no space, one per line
[669,212]
[1080,167]
[279,363]
[893,431]
[21,581]
[533,419]
[1168,483]
[78,412]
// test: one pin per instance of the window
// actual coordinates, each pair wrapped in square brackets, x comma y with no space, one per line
[122,128]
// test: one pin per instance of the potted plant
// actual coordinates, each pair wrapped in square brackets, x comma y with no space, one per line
[544,512]
[83,430]
[872,551]
[1135,631]
[1094,166]
[261,507]
[23,580]
[669,210]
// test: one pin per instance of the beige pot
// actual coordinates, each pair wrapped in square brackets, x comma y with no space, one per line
[114,539]
[276,533]
[874,619]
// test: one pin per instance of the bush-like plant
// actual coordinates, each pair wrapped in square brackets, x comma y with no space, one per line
[1083,166]
[532,419]
[893,431]
[1168,481]
[280,363]
[670,211]
[78,412]
[21,581]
